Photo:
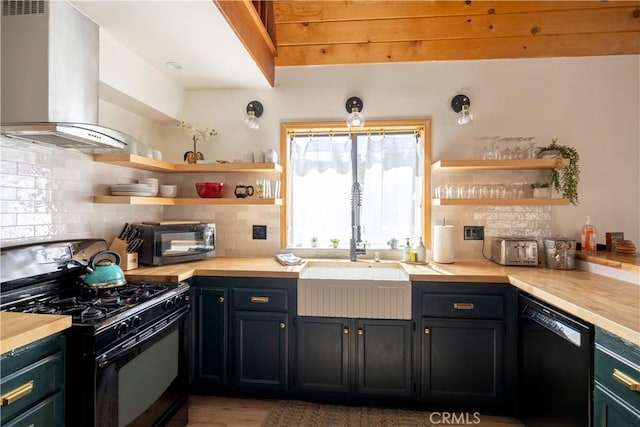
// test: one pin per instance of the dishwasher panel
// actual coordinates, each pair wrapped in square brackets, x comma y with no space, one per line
[555,366]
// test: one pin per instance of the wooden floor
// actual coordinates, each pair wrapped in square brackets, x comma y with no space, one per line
[213,411]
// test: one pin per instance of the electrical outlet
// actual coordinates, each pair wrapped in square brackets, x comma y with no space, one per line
[473,232]
[259,232]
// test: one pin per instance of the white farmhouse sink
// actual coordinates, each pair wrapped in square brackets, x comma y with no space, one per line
[354,271]
[355,289]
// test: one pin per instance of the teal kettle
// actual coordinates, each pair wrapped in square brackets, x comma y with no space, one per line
[102,272]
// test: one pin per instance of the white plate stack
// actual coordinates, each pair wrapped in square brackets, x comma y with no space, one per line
[151,182]
[132,190]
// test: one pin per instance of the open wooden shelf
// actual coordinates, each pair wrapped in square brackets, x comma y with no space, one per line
[167,201]
[523,201]
[493,165]
[145,163]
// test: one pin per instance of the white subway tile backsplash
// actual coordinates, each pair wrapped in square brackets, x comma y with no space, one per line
[17,181]
[8,220]
[34,170]
[16,233]
[7,193]
[47,193]
[8,167]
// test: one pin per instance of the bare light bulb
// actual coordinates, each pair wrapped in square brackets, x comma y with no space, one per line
[355,119]
[465,116]
[252,121]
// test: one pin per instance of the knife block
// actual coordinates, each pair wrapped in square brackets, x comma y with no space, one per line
[128,261]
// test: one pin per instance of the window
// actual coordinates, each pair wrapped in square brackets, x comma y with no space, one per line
[392,162]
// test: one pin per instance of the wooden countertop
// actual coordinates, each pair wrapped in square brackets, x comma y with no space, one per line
[609,303]
[19,329]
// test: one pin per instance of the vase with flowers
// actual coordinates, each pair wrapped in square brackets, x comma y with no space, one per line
[196,135]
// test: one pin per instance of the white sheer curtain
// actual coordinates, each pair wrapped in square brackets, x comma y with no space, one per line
[391,187]
[320,203]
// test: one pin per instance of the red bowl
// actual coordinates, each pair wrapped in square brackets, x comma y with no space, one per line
[208,190]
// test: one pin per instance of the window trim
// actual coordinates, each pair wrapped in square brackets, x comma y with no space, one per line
[422,126]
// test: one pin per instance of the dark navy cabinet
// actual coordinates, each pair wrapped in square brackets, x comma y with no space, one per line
[617,381]
[466,355]
[323,355]
[260,350]
[32,384]
[364,357]
[243,333]
[210,309]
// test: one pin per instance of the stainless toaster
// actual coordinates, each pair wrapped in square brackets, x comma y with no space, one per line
[515,251]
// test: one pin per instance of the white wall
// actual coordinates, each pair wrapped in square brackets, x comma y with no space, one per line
[592,104]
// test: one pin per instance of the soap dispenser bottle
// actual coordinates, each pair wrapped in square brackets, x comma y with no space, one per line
[421,251]
[588,237]
[406,254]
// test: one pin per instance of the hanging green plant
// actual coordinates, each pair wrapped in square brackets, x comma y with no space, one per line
[564,179]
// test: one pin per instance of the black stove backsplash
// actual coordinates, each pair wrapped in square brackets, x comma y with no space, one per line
[31,263]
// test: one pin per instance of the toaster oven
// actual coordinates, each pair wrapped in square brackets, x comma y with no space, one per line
[515,251]
[172,243]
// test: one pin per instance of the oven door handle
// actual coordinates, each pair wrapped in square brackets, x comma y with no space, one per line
[106,358]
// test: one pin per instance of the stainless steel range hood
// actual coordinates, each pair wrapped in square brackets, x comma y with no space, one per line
[50,76]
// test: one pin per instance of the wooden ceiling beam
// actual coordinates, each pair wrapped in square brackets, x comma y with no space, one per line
[302,11]
[246,23]
[625,43]
[462,27]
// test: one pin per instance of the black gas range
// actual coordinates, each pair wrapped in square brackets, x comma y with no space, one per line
[127,348]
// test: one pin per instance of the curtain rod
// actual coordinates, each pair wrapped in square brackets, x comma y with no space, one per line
[366,131]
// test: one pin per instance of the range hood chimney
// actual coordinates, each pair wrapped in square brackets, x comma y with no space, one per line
[50,76]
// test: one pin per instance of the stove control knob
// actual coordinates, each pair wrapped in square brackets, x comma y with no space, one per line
[179,300]
[122,329]
[136,321]
[168,305]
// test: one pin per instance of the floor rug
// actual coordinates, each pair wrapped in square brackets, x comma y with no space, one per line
[295,413]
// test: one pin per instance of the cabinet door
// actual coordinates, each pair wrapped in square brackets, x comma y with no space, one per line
[323,354]
[210,312]
[260,350]
[384,357]
[462,359]
[610,411]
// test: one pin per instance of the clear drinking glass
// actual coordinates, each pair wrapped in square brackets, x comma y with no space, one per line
[463,191]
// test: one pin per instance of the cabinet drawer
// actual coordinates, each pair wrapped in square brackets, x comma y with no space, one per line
[463,306]
[618,375]
[25,385]
[49,412]
[260,299]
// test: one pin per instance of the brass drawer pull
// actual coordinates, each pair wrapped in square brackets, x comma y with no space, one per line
[282,325]
[427,331]
[260,300]
[16,394]
[463,305]
[360,331]
[221,299]
[345,331]
[625,379]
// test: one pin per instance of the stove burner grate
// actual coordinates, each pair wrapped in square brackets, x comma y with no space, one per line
[92,313]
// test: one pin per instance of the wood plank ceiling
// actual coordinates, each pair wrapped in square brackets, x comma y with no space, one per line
[354,31]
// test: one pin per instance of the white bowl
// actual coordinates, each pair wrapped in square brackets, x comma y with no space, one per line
[168,190]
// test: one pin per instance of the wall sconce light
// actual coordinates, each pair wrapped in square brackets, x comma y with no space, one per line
[354,106]
[254,110]
[460,104]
